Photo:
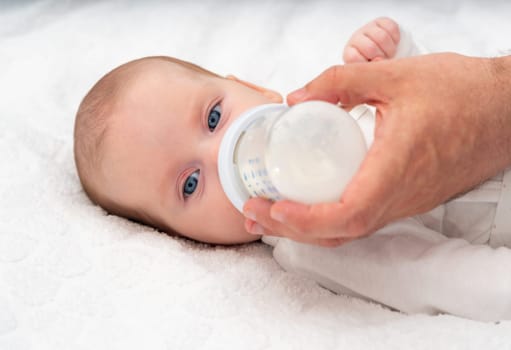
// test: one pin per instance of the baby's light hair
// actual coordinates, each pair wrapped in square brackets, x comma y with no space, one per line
[92,126]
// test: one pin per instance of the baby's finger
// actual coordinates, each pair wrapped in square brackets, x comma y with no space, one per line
[352,55]
[382,39]
[390,26]
[368,47]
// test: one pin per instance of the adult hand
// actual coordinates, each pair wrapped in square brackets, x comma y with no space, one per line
[443,125]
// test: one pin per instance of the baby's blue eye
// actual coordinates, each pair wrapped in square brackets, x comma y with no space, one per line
[214,117]
[191,184]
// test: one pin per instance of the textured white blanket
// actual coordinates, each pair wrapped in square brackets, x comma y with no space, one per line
[72,277]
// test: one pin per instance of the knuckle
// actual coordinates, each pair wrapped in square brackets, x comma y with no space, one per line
[348,54]
[380,36]
[333,82]
[307,223]
[268,232]
[351,55]
[358,225]
[384,21]
[373,50]
[304,225]
[368,49]
[389,25]
[332,74]
[263,220]
[321,85]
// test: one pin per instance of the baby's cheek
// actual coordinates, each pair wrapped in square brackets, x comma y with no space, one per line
[226,215]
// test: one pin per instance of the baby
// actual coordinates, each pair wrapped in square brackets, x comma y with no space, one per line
[146,141]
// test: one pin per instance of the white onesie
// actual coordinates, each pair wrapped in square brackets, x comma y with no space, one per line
[454,259]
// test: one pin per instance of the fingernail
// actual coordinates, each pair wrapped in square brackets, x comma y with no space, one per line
[250,215]
[257,229]
[298,94]
[277,216]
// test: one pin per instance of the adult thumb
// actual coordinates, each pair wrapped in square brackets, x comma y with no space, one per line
[348,85]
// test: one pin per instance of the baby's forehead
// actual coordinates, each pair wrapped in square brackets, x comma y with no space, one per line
[161,67]
[159,74]
[158,85]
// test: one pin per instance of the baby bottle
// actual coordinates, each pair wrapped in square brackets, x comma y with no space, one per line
[306,153]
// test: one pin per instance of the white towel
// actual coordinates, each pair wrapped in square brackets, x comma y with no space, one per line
[72,277]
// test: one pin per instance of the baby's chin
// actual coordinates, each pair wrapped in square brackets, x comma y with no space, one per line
[224,237]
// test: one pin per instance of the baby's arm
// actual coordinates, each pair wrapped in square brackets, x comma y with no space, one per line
[380,39]
[411,268]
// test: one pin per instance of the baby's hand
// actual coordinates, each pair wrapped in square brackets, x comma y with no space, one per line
[376,40]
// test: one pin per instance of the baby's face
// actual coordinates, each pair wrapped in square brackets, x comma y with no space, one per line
[161,150]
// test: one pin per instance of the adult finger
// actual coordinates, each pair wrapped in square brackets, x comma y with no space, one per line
[257,212]
[259,222]
[351,84]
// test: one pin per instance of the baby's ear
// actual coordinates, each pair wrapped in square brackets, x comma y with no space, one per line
[274,96]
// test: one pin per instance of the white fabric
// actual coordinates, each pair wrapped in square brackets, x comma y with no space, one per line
[501,228]
[408,46]
[72,277]
[412,268]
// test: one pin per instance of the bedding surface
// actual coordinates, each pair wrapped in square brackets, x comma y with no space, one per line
[73,277]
